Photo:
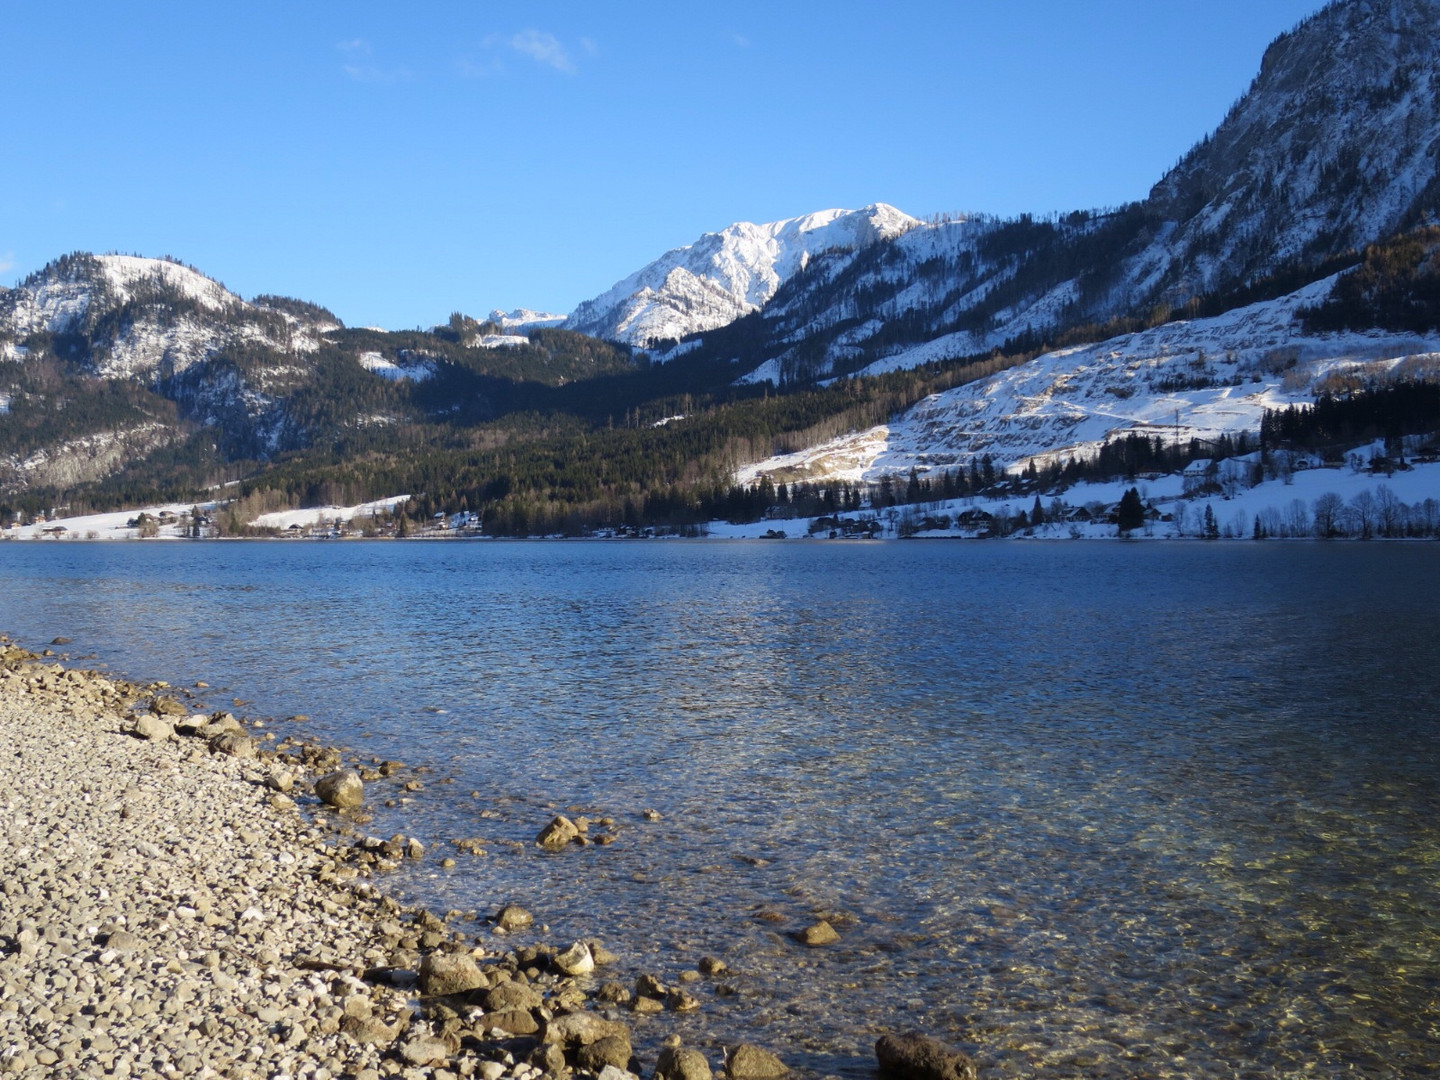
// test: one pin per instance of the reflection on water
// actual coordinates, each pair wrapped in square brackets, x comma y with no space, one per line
[1090,810]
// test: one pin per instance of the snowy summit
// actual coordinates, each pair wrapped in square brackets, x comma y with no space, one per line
[727,274]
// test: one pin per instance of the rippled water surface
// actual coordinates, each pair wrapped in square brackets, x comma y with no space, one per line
[1086,809]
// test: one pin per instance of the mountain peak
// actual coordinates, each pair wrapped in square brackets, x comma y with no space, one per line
[724,275]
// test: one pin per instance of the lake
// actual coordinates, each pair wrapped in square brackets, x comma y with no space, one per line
[1084,809]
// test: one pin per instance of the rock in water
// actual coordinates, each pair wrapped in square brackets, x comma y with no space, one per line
[557,834]
[341,789]
[822,933]
[750,1062]
[682,1063]
[450,973]
[513,917]
[576,960]
[912,1056]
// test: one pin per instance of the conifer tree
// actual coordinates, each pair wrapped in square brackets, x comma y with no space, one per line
[1131,514]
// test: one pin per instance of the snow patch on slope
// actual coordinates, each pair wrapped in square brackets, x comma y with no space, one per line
[413,368]
[1183,380]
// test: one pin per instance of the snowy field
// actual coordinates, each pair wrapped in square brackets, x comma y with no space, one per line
[1286,502]
[172,518]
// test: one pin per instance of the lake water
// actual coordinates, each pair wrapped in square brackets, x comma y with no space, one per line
[1085,809]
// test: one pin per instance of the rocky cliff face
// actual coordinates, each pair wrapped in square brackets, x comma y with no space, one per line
[1336,145]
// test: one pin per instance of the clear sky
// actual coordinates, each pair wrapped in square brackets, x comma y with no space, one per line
[398,161]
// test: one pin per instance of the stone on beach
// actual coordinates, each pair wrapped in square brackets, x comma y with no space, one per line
[609,1050]
[152,727]
[342,789]
[450,973]
[240,746]
[512,1021]
[582,1028]
[511,995]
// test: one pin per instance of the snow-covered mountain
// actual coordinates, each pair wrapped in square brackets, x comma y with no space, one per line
[523,320]
[1184,380]
[727,274]
[1333,147]
[143,317]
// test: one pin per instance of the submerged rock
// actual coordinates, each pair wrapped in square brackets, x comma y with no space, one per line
[912,1056]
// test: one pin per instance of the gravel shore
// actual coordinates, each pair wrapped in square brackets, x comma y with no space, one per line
[167,910]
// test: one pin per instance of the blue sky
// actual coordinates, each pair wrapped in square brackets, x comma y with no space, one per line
[400,161]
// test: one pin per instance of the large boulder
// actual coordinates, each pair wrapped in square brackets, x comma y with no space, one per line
[443,973]
[912,1056]
[341,789]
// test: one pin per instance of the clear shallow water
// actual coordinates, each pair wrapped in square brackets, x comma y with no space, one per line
[1086,809]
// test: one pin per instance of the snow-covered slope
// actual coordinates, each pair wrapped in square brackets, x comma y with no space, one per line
[727,274]
[1183,380]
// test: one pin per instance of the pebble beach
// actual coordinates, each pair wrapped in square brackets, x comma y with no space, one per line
[176,902]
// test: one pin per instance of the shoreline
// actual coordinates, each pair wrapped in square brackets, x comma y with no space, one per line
[169,909]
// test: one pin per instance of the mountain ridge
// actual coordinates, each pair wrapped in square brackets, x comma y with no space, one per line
[1334,145]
